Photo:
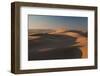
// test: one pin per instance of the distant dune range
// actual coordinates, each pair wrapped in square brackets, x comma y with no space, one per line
[57,44]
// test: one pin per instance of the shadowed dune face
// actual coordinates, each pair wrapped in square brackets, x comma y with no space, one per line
[80,39]
[57,44]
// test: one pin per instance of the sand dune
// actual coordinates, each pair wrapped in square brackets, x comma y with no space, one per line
[33,37]
[81,40]
[58,31]
[72,34]
[61,40]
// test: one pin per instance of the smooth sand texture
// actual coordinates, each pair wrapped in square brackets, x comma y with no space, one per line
[59,44]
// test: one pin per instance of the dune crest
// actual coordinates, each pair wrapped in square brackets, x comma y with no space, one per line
[59,31]
[72,34]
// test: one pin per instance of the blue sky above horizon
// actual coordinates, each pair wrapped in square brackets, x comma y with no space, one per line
[56,22]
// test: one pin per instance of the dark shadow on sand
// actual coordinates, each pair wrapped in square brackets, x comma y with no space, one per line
[53,46]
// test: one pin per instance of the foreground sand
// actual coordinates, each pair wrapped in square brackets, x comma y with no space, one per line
[57,44]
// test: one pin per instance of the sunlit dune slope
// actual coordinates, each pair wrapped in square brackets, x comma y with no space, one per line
[58,31]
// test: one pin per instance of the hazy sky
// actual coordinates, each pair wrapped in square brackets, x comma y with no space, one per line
[55,22]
